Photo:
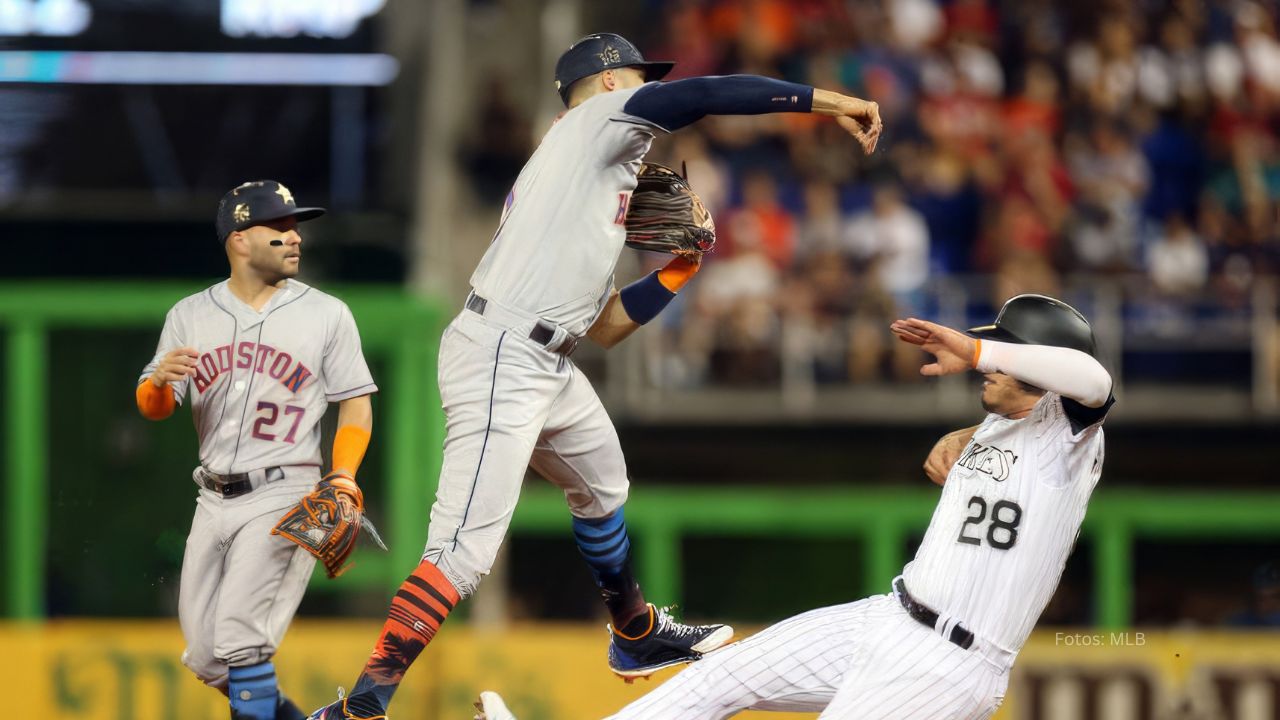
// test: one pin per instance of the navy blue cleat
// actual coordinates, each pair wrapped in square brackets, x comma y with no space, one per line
[339,711]
[666,643]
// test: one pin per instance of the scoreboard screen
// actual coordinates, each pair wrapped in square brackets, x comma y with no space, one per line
[126,104]
[315,25]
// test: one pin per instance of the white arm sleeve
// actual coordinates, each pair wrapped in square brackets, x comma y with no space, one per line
[1069,373]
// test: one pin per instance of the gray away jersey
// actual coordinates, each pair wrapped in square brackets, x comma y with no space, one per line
[264,379]
[1008,518]
[564,222]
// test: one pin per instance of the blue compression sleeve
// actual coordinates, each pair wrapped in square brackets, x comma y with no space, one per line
[252,692]
[645,298]
[673,105]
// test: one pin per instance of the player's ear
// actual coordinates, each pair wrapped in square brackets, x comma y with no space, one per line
[236,242]
[610,79]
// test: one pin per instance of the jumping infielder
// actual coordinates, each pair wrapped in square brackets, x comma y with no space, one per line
[259,356]
[940,646]
[513,399]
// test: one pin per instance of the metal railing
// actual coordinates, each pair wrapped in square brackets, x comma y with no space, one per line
[1128,317]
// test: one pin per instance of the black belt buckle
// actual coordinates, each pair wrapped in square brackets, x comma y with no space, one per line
[234,485]
[922,614]
[235,488]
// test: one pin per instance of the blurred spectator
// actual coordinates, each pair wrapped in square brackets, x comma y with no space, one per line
[1264,603]
[1024,272]
[944,192]
[1255,35]
[821,299]
[1173,72]
[707,173]
[890,243]
[1036,107]
[893,242]
[765,216]
[733,327]
[1104,69]
[822,226]
[500,144]
[915,23]
[1176,159]
[1177,261]
[1111,176]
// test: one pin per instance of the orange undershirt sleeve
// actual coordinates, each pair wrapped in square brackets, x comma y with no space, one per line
[349,446]
[155,403]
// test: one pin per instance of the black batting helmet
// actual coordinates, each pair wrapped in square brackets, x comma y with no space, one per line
[1039,320]
[599,52]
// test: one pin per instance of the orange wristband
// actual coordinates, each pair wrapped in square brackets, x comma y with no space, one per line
[678,273]
[155,403]
[977,351]
[349,446]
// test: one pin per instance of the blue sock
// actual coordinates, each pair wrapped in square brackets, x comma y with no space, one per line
[605,546]
[253,693]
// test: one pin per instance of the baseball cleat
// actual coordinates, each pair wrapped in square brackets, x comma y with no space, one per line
[338,710]
[666,643]
[491,707]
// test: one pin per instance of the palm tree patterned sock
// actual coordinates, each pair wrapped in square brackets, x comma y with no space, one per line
[418,609]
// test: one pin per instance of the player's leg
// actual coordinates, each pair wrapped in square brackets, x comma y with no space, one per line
[264,579]
[579,452]
[795,665]
[198,594]
[496,388]
[909,672]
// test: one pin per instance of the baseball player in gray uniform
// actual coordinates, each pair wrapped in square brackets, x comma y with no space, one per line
[258,357]
[512,397]
[940,645]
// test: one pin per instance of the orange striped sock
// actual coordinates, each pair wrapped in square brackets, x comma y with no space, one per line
[417,611]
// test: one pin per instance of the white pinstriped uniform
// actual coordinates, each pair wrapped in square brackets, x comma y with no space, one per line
[869,659]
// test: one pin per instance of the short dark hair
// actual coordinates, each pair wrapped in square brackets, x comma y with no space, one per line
[1028,387]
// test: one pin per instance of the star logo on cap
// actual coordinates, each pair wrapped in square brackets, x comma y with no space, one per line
[284,193]
[609,55]
[241,213]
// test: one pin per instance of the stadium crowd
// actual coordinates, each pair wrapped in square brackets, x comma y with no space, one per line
[1027,141]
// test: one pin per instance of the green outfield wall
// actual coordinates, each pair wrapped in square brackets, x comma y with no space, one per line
[400,333]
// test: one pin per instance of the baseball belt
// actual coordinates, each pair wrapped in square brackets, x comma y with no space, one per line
[543,332]
[922,614]
[235,484]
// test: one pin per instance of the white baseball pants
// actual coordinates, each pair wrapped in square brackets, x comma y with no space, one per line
[866,660]
[511,404]
[240,584]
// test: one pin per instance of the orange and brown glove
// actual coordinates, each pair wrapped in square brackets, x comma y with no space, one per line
[327,522]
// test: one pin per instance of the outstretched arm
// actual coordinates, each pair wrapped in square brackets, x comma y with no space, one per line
[1070,373]
[676,104]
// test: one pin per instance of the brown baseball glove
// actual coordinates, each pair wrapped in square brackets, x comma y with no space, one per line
[327,522]
[665,214]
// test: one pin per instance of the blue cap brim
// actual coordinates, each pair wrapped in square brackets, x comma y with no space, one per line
[655,70]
